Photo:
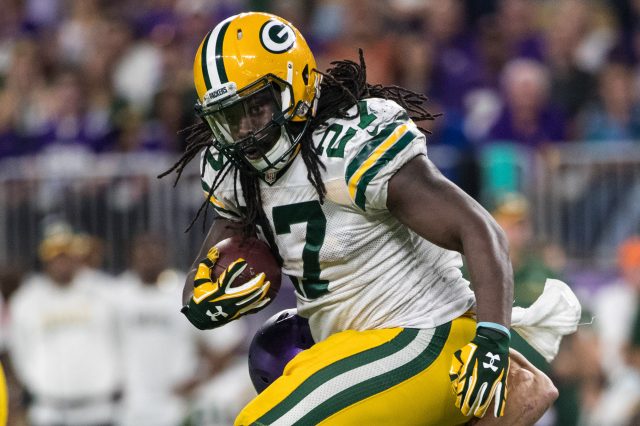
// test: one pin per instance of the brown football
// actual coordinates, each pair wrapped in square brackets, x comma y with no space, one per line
[259,259]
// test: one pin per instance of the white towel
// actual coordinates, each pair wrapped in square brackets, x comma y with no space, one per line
[554,314]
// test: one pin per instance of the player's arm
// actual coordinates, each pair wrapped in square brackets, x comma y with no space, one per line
[439,211]
[435,208]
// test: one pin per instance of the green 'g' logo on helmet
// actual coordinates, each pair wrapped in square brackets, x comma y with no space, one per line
[276,36]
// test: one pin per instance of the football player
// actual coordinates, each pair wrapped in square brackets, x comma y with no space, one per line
[333,173]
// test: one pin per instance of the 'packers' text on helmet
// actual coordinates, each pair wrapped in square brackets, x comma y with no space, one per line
[255,77]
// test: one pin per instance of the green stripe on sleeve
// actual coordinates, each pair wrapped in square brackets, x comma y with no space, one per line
[205,187]
[384,159]
[379,383]
[215,163]
[398,343]
[368,148]
[219,59]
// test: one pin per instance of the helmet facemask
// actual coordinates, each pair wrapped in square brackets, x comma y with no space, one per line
[252,126]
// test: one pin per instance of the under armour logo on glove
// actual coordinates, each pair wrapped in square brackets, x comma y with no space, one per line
[492,358]
[476,387]
[214,316]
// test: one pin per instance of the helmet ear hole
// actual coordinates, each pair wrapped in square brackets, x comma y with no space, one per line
[305,74]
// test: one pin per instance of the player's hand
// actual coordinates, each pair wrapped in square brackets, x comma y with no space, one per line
[479,373]
[215,303]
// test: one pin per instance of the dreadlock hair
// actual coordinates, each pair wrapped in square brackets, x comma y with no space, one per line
[343,85]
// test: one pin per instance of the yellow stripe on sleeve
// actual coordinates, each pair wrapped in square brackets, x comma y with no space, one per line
[377,153]
[215,201]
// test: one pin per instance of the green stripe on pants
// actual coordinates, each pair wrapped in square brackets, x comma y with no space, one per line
[395,345]
[379,383]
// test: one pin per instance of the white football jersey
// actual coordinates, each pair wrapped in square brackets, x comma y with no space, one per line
[353,264]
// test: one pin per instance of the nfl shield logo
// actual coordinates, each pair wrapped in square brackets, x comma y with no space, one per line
[270,176]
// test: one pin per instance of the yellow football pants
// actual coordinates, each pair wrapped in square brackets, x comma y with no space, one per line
[396,377]
[4,399]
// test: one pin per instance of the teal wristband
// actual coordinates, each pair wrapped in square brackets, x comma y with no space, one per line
[495,326]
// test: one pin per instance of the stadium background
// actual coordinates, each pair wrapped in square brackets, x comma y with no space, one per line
[541,123]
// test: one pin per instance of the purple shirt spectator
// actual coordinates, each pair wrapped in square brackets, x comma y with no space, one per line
[548,126]
[527,116]
[530,47]
[516,20]
[11,144]
[458,69]
[89,132]
[458,63]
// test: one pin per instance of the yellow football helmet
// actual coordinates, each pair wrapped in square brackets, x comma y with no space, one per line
[256,77]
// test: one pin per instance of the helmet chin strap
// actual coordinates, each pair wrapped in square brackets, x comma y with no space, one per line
[279,149]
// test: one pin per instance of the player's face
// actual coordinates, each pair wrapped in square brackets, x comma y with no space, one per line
[250,118]
[248,123]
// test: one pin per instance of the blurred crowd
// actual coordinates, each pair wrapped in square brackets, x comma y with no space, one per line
[116,75]
[597,369]
[85,342]
[510,78]
[82,347]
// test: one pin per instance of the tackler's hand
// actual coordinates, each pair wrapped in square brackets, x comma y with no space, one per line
[479,372]
[215,303]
